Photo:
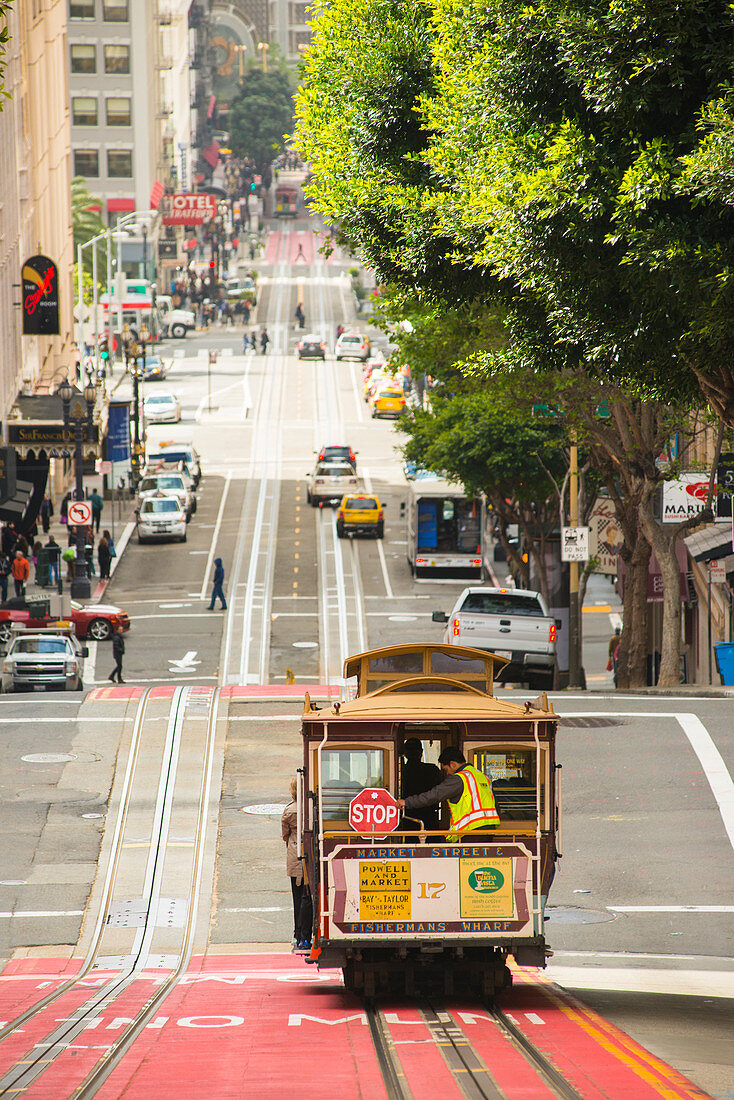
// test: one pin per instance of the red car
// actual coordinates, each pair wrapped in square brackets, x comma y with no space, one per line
[97,623]
[342,452]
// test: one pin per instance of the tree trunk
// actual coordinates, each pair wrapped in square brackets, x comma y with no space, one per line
[632,663]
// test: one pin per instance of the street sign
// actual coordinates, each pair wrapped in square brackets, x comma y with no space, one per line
[80,513]
[574,544]
[717,572]
[374,812]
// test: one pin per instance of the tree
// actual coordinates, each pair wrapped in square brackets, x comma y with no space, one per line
[87,222]
[261,114]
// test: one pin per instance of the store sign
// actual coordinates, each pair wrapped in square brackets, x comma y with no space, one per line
[188,209]
[717,571]
[684,496]
[53,435]
[605,537]
[40,297]
[725,485]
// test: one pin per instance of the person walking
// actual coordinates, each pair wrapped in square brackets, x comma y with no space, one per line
[54,553]
[104,557]
[118,651]
[614,643]
[97,505]
[46,511]
[300,315]
[302,911]
[4,574]
[264,341]
[37,551]
[21,572]
[64,508]
[217,590]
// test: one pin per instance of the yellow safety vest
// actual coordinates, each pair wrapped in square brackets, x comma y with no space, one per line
[475,809]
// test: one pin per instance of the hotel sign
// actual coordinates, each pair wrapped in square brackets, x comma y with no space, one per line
[40,302]
[48,435]
[188,209]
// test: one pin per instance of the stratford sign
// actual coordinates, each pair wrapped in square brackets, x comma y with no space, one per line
[188,209]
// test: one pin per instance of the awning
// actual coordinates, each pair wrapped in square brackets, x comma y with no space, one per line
[119,206]
[710,542]
[655,576]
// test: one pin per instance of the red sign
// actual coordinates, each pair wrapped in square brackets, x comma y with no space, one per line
[374,812]
[188,209]
[40,282]
[80,513]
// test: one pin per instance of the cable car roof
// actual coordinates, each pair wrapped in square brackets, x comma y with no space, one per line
[376,668]
[399,704]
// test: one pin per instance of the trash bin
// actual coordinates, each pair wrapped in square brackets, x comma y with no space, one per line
[724,652]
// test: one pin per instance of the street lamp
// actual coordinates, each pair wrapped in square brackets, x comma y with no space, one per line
[132,367]
[264,46]
[79,416]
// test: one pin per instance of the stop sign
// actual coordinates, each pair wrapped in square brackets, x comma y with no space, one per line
[374,811]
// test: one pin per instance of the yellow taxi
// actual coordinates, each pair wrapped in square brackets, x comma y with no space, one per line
[387,399]
[360,514]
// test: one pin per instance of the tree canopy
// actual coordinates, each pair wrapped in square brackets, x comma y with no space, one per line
[261,114]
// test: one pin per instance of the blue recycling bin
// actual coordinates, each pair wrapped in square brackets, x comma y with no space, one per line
[725,662]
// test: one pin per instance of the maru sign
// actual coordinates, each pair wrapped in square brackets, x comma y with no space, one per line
[40,304]
[188,209]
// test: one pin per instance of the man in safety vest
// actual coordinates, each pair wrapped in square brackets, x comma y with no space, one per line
[467,791]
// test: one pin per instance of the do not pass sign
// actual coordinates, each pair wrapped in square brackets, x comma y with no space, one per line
[374,812]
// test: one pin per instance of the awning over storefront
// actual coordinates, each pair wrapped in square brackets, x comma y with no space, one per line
[36,424]
[710,542]
[655,576]
[120,206]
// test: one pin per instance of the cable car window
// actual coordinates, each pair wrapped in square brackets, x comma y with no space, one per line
[398,662]
[345,772]
[513,775]
[447,664]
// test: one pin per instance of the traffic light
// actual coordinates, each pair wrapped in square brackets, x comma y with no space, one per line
[253,188]
[104,351]
[212,264]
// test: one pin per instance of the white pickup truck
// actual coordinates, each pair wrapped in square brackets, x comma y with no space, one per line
[511,622]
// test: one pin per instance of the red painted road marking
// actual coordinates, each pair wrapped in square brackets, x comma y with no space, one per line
[267,1026]
[114,694]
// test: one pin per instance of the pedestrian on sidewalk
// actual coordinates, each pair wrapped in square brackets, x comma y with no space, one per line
[64,509]
[21,572]
[302,906]
[300,315]
[104,557]
[97,505]
[37,551]
[54,554]
[217,591]
[8,537]
[118,651]
[47,510]
[264,341]
[4,574]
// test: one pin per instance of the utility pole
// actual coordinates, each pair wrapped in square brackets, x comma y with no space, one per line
[574,611]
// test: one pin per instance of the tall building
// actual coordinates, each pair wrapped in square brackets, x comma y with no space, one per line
[35,179]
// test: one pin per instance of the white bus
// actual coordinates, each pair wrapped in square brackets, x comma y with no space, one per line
[445,530]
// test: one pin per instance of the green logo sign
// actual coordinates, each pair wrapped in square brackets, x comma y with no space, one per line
[486,880]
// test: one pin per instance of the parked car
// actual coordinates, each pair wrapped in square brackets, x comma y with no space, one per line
[161,408]
[242,287]
[96,622]
[161,517]
[360,514]
[52,659]
[329,481]
[353,345]
[171,484]
[174,322]
[311,347]
[331,452]
[154,369]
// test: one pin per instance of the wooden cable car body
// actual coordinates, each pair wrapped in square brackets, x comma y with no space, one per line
[410,906]
[286,201]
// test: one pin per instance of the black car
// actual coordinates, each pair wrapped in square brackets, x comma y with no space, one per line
[331,452]
[311,347]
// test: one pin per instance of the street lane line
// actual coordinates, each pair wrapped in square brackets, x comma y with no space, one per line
[42,913]
[713,765]
[215,536]
[671,908]
[380,549]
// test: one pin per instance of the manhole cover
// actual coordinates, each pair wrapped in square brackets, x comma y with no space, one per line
[48,757]
[570,914]
[588,723]
[267,809]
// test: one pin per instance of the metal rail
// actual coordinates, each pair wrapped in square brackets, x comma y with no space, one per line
[552,1076]
[45,1052]
[393,1076]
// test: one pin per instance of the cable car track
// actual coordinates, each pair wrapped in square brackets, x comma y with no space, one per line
[188,754]
[473,1078]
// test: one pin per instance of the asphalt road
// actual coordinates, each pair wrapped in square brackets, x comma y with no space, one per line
[641,918]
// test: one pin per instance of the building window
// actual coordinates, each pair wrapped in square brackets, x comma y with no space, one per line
[299,13]
[298,38]
[84,110]
[83,59]
[117,58]
[118,111]
[86,162]
[119,163]
[114,11]
[81,9]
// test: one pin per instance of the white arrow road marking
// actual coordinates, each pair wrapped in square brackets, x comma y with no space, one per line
[185,664]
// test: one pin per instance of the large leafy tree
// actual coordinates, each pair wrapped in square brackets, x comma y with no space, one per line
[261,114]
[86,220]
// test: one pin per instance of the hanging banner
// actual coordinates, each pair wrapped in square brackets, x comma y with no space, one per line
[118,432]
[40,297]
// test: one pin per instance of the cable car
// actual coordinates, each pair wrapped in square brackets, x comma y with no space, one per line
[286,201]
[398,905]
